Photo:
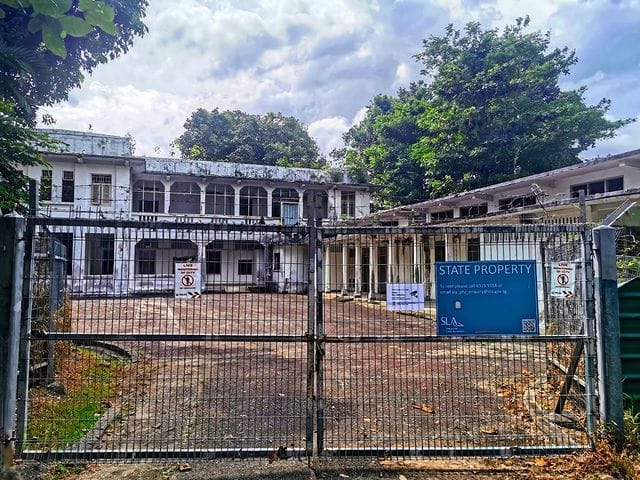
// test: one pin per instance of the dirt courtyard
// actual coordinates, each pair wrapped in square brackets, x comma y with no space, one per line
[186,390]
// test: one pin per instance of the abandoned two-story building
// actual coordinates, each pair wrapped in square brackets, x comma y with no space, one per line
[602,190]
[95,176]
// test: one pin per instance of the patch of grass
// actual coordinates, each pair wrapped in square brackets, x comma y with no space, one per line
[91,381]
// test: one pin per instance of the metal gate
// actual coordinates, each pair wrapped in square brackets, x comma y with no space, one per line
[280,345]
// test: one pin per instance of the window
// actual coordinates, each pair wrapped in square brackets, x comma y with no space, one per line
[442,215]
[68,187]
[473,249]
[148,197]
[219,199]
[100,254]
[473,210]
[213,265]
[289,213]
[147,262]
[100,189]
[348,204]
[45,185]
[245,267]
[601,186]
[516,202]
[440,251]
[275,265]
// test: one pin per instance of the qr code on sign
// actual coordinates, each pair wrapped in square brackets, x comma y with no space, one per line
[528,325]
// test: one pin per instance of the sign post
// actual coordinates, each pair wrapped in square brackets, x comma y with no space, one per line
[487,298]
[187,280]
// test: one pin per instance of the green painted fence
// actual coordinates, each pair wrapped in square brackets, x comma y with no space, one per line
[629,301]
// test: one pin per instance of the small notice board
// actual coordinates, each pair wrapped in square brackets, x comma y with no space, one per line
[405,296]
[563,279]
[487,298]
[188,280]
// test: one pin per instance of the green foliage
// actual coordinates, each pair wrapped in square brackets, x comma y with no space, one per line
[19,146]
[235,136]
[492,112]
[53,43]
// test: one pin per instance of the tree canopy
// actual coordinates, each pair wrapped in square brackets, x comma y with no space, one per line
[235,136]
[492,111]
[46,47]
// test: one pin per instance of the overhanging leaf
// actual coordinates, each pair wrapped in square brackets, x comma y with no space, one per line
[51,36]
[52,8]
[75,26]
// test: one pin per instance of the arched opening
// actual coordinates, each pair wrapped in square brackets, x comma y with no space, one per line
[185,198]
[148,196]
[253,202]
[219,199]
[321,200]
[284,205]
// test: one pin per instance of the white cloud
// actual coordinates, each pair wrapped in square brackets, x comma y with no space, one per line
[319,61]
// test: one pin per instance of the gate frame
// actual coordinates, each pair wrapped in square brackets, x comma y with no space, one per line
[315,338]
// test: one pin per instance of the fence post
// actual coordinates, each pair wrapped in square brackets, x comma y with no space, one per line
[608,329]
[12,231]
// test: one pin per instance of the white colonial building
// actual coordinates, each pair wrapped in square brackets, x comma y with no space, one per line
[95,176]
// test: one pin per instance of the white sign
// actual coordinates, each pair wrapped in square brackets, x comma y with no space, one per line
[405,296]
[563,279]
[187,280]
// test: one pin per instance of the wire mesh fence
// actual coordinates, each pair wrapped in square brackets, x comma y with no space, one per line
[211,340]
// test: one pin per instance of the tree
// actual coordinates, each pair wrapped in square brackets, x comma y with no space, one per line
[46,47]
[19,146]
[235,136]
[493,111]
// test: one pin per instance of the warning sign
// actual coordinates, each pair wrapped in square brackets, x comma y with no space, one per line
[187,280]
[405,296]
[563,279]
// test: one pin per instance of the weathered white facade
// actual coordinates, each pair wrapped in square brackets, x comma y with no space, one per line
[95,176]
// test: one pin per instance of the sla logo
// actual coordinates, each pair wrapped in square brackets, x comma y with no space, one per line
[450,322]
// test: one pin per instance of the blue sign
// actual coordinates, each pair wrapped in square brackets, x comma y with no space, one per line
[487,298]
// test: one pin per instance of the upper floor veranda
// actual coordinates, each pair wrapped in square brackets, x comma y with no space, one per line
[95,175]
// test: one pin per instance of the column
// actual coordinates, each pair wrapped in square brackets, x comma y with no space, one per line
[203,197]
[345,271]
[373,268]
[326,265]
[269,201]
[417,260]
[390,259]
[300,204]
[358,271]
[167,195]
[236,200]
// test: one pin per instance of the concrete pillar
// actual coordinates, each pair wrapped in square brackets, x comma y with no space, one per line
[373,270]
[345,271]
[269,201]
[236,200]
[167,195]
[203,197]
[390,259]
[327,266]
[300,203]
[12,245]
[358,270]
[417,260]
[608,329]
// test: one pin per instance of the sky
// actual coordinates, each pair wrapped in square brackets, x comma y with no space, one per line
[322,61]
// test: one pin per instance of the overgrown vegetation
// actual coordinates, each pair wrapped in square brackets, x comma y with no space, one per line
[91,383]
